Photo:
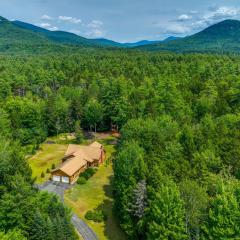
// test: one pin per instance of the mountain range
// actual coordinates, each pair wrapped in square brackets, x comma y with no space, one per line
[223,37]
[17,36]
[71,38]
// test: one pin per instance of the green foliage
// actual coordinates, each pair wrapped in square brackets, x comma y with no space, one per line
[166,213]
[88,173]
[78,132]
[12,235]
[4,124]
[22,207]
[26,119]
[93,113]
[179,121]
[224,214]
[96,216]
[196,202]
[130,169]
[81,180]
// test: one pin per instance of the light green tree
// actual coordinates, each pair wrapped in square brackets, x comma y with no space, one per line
[166,214]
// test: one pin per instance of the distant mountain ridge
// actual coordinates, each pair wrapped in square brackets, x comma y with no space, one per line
[55,36]
[148,42]
[222,37]
[71,38]
[21,37]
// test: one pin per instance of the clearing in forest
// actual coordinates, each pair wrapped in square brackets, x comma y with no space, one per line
[96,193]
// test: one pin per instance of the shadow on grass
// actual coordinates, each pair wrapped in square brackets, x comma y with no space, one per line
[112,229]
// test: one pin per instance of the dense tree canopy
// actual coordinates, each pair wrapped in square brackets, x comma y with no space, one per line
[177,166]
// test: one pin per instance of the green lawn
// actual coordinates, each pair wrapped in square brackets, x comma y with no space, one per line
[97,194]
[47,155]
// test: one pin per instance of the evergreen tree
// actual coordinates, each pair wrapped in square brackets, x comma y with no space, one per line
[78,132]
[139,200]
[166,213]
[224,215]
[38,228]
[12,235]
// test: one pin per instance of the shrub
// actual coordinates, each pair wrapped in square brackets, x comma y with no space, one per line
[48,171]
[89,173]
[42,175]
[53,166]
[96,216]
[81,180]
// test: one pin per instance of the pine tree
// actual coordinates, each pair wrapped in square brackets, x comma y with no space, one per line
[38,228]
[139,202]
[49,230]
[78,132]
[166,214]
[12,235]
[224,216]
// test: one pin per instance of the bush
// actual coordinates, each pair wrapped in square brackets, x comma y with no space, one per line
[96,216]
[53,166]
[81,180]
[42,175]
[48,171]
[89,173]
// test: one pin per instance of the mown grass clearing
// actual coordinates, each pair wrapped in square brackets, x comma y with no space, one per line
[47,155]
[97,194]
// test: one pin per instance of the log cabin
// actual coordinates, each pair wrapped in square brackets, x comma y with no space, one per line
[76,160]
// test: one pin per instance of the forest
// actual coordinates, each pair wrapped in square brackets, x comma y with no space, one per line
[177,165]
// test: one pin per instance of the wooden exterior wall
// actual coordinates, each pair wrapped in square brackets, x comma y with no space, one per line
[73,178]
[59,173]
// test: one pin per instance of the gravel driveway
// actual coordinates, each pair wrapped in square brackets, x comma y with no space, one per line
[58,188]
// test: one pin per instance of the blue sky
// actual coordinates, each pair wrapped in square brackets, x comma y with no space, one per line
[125,20]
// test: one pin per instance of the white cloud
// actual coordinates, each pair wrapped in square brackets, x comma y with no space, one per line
[184,17]
[194,12]
[172,27]
[215,15]
[221,13]
[48,26]
[95,33]
[53,28]
[46,17]
[196,21]
[175,28]
[70,19]
[45,25]
[94,29]
[95,24]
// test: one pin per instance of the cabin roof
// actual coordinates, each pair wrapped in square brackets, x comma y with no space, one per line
[77,157]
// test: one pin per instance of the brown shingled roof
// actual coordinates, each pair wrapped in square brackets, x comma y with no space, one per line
[72,165]
[96,145]
[80,156]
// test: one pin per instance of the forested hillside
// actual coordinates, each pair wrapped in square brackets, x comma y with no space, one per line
[177,167]
[222,37]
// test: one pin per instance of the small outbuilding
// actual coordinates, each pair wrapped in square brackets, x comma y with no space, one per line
[76,160]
